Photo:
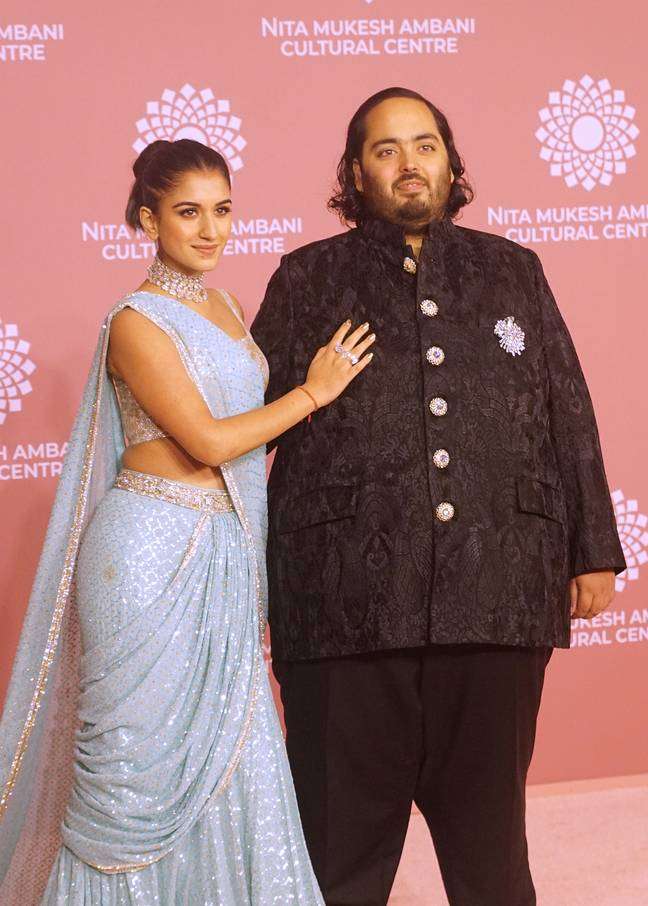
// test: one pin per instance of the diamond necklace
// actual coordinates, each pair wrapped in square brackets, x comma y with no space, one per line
[191,288]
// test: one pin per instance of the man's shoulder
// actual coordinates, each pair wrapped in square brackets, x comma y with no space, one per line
[493,243]
[332,247]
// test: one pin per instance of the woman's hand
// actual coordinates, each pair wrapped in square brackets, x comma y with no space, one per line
[144,356]
[331,372]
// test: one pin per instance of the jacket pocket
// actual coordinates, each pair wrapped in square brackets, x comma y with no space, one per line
[317,506]
[540,497]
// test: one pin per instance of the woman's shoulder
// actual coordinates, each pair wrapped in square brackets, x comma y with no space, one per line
[138,299]
[138,311]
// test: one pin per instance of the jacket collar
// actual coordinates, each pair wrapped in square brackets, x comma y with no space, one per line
[389,238]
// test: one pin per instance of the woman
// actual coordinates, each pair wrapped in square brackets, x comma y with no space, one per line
[139,710]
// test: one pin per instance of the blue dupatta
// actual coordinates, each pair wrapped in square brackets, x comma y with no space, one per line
[39,723]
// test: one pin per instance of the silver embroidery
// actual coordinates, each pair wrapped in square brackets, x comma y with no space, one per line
[207,500]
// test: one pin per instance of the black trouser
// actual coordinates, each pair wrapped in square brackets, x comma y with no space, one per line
[450,728]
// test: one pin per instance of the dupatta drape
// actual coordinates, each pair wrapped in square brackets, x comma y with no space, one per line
[39,723]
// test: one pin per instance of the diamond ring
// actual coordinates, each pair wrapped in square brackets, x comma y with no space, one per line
[346,354]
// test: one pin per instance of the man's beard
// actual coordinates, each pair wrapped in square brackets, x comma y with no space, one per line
[412,213]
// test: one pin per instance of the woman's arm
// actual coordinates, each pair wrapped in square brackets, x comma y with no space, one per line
[148,361]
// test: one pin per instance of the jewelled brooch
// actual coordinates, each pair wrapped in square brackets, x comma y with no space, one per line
[511,335]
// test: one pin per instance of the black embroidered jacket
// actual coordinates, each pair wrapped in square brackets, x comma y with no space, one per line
[456,486]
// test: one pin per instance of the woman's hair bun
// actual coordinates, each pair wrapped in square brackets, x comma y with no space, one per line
[147,156]
[159,167]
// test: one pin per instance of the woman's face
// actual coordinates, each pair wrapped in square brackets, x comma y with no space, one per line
[192,222]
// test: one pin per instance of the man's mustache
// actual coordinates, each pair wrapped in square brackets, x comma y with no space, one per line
[403,179]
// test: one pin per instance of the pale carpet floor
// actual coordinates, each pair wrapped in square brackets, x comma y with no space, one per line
[588,845]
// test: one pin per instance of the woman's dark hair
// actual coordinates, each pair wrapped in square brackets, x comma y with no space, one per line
[348,203]
[160,167]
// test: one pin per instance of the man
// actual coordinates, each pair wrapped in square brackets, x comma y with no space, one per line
[432,530]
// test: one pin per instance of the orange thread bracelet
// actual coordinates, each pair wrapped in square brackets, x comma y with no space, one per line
[309,395]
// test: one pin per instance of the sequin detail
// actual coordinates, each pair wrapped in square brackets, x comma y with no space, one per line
[152,568]
[235,382]
[62,592]
[256,354]
[174,572]
[247,341]
[137,426]
[207,500]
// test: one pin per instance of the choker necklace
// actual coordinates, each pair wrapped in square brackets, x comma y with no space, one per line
[176,284]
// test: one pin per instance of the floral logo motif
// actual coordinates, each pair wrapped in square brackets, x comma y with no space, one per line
[587,133]
[199,115]
[15,369]
[633,535]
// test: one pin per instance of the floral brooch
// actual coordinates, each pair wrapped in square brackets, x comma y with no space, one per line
[511,335]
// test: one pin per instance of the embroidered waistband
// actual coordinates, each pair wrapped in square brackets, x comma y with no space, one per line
[207,500]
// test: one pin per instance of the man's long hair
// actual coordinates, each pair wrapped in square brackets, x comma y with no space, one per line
[349,204]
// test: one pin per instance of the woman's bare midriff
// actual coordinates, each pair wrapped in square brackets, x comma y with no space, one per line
[165,458]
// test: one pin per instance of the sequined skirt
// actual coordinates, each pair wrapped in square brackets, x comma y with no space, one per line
[182,791]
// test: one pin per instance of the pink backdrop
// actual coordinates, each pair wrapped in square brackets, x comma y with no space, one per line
[547,100]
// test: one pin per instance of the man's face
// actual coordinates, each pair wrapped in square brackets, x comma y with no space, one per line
[404,173]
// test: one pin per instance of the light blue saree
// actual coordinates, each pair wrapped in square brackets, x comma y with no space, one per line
[141,756]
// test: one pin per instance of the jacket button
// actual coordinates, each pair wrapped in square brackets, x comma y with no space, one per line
[438,406]
[435,355]
[429,308]
[441,458]
[445,511]
[409,264]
